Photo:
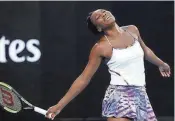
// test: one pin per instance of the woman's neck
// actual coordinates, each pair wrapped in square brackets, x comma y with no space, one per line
[115,30]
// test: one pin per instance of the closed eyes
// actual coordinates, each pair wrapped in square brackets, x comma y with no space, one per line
[97,17]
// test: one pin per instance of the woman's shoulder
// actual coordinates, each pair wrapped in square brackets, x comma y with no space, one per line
[100,45]
[100,42]
[130,27]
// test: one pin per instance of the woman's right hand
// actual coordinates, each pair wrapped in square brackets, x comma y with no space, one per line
[53,111]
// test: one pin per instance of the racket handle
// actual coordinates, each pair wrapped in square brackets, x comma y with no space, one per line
[39,110]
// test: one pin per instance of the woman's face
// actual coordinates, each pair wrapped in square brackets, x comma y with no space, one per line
[102,18]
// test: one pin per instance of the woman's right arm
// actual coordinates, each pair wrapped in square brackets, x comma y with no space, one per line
[82,81]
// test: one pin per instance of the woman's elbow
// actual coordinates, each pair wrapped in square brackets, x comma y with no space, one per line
[147,53]
[84,80]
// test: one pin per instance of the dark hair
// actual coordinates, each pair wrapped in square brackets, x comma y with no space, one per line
[91,26]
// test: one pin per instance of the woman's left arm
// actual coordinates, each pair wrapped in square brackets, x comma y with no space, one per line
[164,68]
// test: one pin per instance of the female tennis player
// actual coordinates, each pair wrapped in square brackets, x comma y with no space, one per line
[124,52]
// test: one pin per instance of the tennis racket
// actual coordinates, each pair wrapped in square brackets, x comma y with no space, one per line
[13,102]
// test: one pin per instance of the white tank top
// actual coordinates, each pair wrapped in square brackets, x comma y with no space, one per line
[126,66]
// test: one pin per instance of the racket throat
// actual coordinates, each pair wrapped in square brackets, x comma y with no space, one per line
[28,108]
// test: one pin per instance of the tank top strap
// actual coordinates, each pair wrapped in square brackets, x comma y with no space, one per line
[108,41]
[130,34]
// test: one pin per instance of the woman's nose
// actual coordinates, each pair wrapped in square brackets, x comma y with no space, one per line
[104,14]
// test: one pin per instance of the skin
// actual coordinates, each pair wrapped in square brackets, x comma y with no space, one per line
[119,39]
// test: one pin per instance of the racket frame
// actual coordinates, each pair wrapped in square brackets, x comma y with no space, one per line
[20,99]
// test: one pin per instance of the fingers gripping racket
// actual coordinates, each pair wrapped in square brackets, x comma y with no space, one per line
[13,102]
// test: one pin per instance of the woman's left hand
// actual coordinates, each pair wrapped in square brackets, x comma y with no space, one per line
[165,70]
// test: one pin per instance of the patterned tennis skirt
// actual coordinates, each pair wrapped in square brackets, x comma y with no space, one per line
[128,102]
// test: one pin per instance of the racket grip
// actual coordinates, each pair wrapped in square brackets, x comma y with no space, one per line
[40,110]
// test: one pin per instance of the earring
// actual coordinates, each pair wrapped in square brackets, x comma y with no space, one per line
[99,29]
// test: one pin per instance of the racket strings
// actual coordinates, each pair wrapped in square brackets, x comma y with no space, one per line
[9,100]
